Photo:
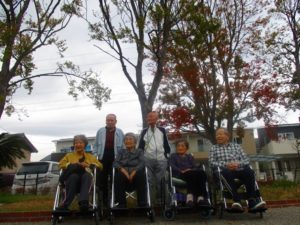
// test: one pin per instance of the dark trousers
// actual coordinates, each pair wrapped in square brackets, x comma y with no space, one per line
[77,183]
[138,183]
[246,176]
[195,180]
[104,177]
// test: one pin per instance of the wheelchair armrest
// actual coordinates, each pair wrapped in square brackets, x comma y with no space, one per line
[178,182]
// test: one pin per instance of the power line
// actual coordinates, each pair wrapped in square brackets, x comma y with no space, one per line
[80,106]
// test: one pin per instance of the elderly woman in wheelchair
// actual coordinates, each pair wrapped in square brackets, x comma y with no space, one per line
[229,164]
[77,175]
[129,167]
[184,168]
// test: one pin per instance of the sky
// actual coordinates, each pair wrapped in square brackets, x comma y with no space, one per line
[51,114]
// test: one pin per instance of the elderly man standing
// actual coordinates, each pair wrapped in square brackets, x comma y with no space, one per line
[153,140]
[109,140]
[234,163]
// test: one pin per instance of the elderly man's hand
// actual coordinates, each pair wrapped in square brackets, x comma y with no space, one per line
[233,166]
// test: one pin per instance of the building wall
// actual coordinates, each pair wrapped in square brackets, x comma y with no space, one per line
[198,146]
[201,152]
[281,147]
[65,145]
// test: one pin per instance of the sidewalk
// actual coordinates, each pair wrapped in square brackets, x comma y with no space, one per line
[46,215]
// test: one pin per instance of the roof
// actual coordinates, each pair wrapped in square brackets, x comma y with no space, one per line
[264,158]
[22,139]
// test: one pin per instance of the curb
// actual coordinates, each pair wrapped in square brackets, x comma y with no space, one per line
[46,215]
[25,216]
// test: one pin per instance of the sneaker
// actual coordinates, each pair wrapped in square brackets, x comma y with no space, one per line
[190,200]
[255,204]
[237,205]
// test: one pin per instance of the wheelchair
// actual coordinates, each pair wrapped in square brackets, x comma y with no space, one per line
[223,196]
[95,209]
[174,197]
[130,196]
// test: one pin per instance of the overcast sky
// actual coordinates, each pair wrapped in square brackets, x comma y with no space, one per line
[52,114]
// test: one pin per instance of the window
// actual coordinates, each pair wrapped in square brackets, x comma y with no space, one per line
[55,169]
[33,168]
[285,136]
[288,166]
[279,165]
[200,144]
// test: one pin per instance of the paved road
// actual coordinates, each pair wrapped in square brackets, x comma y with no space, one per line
[274,216]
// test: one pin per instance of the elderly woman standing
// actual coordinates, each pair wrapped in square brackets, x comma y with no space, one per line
[77,175]
[130,172]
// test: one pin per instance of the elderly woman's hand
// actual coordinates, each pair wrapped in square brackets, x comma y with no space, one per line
[84,164]
[122,170]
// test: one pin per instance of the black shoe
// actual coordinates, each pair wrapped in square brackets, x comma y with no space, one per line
[84,206]
[203,203]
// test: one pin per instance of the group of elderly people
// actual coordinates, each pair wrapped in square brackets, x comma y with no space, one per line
[129,156]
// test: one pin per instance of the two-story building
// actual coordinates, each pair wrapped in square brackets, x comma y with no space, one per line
[282,141]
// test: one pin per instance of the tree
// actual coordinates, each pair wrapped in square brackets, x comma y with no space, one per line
[283,46]
[145,26]
[215,75]
[27,25]
[10,149]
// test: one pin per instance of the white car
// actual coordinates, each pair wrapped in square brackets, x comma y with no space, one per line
[36,177]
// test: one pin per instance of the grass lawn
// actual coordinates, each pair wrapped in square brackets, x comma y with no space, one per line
[280,190]
[19,202]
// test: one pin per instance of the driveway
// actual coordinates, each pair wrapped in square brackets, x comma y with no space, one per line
[273,216]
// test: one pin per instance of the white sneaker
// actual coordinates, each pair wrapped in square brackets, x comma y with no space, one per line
[189,199]
[237,205]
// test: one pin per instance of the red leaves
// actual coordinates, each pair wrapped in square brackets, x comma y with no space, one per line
[176,118]
[271,132]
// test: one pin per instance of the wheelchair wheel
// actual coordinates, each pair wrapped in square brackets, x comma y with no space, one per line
[54,220]
[261,215]
[205,213]
[97,218]
[100,205]
[111,218]
[169,214]
[220,210]
[150,214]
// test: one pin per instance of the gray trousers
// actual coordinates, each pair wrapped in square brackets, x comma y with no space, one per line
[77,183]
[156,171]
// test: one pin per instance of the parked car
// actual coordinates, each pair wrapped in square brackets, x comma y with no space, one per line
[36,177]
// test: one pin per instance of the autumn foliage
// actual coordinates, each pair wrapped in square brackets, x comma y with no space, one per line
[215,75]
